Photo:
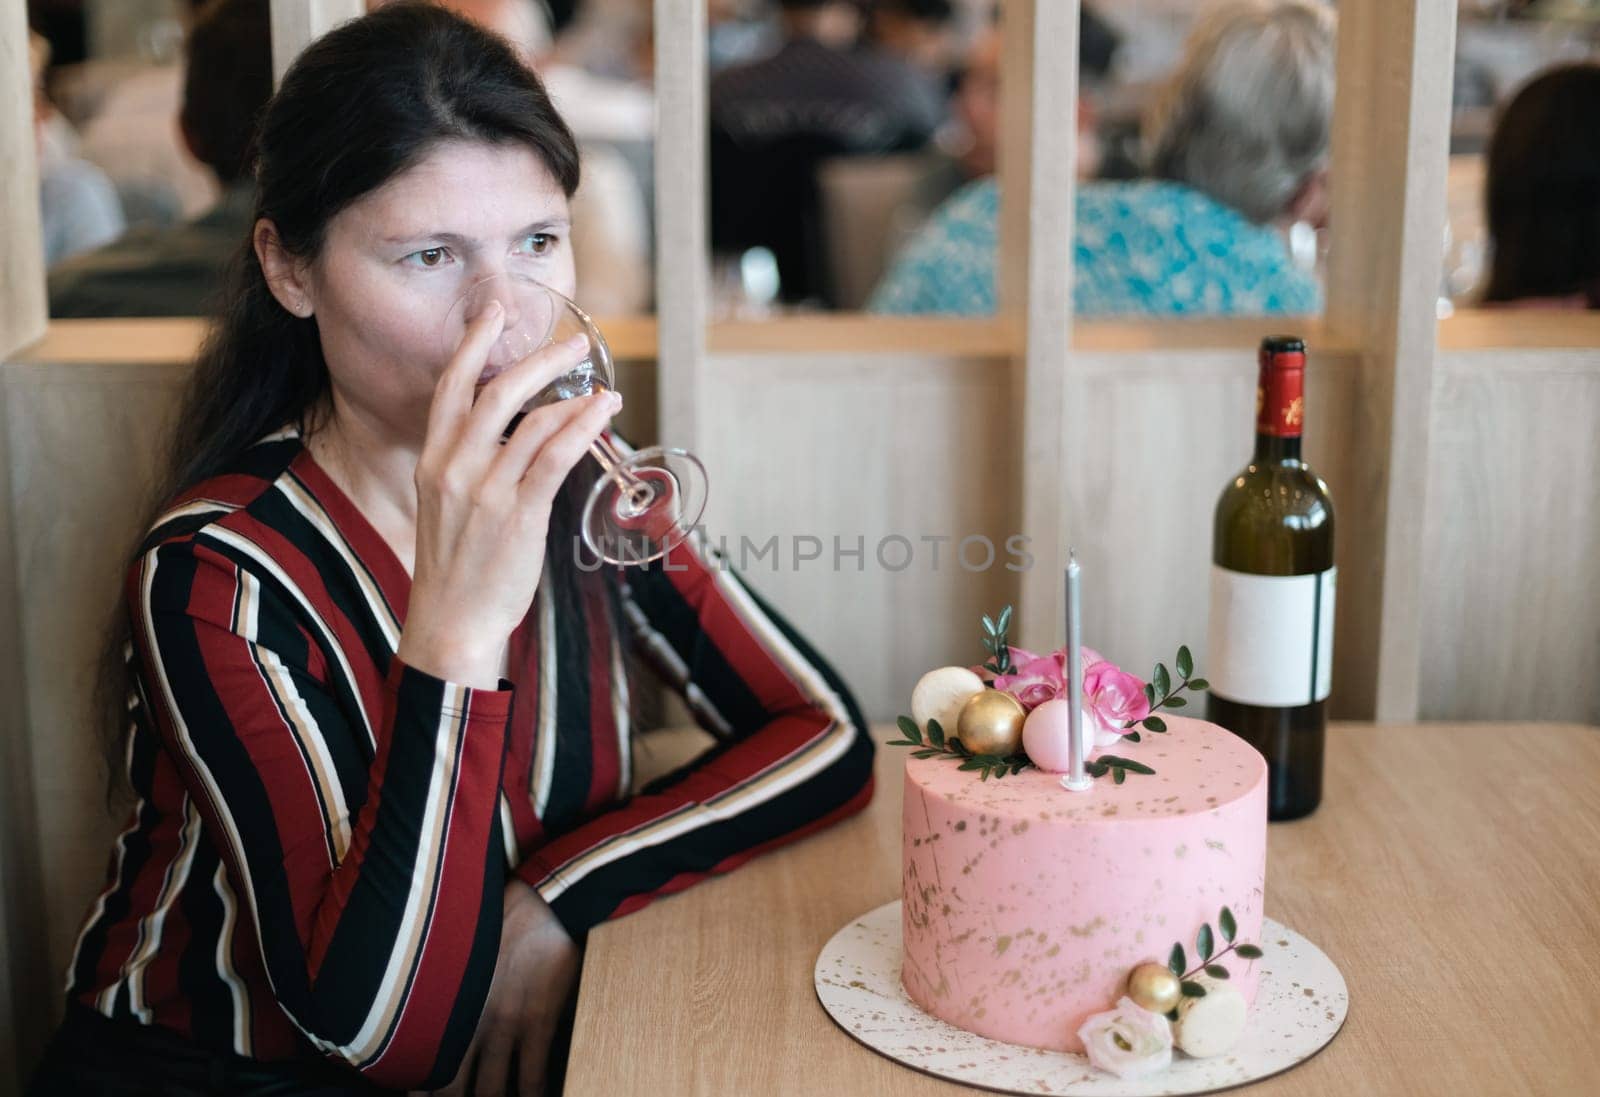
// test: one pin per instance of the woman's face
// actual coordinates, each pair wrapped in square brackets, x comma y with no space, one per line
[395,261]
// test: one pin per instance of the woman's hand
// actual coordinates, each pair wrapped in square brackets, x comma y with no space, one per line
[533,977]
[483,506]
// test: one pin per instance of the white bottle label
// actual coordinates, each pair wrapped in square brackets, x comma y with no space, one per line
[1271,637]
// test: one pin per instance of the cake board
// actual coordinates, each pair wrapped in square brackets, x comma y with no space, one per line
[1300,1006]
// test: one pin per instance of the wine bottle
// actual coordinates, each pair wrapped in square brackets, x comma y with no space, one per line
[1270,641]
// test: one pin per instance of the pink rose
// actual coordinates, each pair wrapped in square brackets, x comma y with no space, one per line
[1114,697]
[1035,679]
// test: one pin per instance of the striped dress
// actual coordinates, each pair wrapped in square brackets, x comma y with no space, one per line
[316,859]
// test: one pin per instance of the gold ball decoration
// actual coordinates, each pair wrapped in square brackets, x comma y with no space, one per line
[1154,987]
[991,723]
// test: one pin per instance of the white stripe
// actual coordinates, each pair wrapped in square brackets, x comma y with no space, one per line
[152,924]
[192,508]
[268,564]
[236,988]
[544,747]
[806,677]
[508,831]
[675,670]
[277,680]
[99,910]
[303,502]
[695,816]
[808,680]
[385,1011]
[620,718]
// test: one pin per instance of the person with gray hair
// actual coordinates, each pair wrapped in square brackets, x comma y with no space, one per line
[1237,143]
[1246,116]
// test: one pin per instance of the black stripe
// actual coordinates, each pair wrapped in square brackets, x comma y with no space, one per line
[809,654]
[671,615]
[601,891]
[275,510]
[356,957]
[211,1002]
[593,898]
[573,766]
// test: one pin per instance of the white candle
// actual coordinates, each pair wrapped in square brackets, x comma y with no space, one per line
[1077,779]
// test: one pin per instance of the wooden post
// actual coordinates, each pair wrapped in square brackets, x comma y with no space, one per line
[682,185]
[1390,161]
[296,23]
[1038,184]
[27,992]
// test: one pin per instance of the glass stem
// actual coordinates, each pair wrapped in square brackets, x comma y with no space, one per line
[614,465]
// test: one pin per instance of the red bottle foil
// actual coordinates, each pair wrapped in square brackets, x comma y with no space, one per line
[1280,394]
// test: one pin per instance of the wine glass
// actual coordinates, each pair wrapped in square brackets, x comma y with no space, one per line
[648,499]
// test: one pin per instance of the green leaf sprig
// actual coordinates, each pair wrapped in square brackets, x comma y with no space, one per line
[937,744]
[1119,768]
[997,644]
[1161,693]
[1204,944]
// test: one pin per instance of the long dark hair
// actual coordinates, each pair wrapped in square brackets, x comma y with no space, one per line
[1543,192]
[359,106]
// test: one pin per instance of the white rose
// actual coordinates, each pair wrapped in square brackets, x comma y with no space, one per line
[1128,1041]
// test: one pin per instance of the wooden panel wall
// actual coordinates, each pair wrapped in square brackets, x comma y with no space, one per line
[22,321]
[1510,610]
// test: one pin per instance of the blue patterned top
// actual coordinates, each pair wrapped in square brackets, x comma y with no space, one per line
[1144,248]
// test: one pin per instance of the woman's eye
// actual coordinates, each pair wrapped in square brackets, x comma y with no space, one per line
[429,257]
[538,243]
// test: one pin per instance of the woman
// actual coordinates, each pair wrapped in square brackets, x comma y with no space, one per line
[1544,194]
[1237,143]
[379,710]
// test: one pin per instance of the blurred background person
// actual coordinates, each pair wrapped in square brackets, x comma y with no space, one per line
[1543,193]
[1236,152]
[173,271]
[78,204]
[922,32]
[774,120]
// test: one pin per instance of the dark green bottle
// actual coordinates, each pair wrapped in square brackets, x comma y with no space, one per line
[1270,643]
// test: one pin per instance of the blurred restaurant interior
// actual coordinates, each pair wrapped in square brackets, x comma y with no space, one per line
[904,275]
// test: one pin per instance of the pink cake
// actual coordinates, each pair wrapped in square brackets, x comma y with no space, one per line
[1027,905]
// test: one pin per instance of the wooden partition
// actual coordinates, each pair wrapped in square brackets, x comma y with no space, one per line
[1460,455]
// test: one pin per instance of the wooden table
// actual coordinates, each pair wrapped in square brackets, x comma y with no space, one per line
[1452,872]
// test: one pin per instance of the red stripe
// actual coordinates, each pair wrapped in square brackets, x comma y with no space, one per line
[605,762]
[363,538]
[415,1045]
[235,489]
[522,654]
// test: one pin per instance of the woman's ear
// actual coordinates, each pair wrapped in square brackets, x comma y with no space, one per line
[1310,200]
[286,275]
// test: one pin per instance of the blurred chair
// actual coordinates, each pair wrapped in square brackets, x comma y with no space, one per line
[870,207]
